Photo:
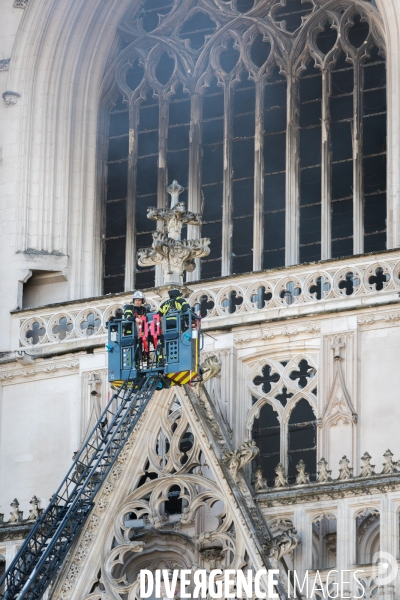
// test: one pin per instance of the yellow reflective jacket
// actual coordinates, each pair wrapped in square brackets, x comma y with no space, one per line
[174,304]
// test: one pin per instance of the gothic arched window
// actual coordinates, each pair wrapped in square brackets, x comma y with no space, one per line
[302,440]
[266,433]
[270,113]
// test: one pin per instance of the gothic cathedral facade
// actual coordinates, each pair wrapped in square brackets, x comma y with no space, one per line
[280,121]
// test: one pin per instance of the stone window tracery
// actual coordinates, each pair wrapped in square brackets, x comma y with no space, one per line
[282,420]
[367,535]
[270,113]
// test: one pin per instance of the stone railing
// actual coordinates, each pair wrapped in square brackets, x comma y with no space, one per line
[291,291]
[16,527]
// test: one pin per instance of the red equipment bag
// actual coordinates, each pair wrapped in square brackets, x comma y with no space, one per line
[155,329]
[143,333]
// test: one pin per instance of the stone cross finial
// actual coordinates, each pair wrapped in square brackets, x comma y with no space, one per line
[16,514]
[168,250]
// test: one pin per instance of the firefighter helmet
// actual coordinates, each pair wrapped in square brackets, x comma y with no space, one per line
[174,293]
[139,296]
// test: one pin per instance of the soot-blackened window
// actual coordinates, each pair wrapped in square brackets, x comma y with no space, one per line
[302,440]
[243,129]
[146,183]
[275,109]
[116,196]
[310,163]
[267,436]
[212,168]
[274,124]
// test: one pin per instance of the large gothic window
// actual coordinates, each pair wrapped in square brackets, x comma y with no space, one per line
[270,113]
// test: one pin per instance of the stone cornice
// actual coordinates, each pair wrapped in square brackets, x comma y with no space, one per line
[315,492]
[39,369]
[19,531]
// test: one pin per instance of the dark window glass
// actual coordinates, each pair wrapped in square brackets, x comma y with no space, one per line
[275,108]
[302,440]
[115,208]
[310,93]
[212,174]
[267,436]
[374,150]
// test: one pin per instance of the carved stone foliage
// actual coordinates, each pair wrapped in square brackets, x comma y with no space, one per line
[211,367]
[237,459]
[10,98]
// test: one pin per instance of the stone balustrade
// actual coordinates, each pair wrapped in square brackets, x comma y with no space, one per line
[255,297]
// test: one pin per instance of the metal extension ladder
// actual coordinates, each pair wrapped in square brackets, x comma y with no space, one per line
[51,538]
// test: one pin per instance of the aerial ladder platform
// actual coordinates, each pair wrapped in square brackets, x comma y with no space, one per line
[158,353]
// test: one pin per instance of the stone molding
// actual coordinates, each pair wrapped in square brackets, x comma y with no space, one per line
[41,369]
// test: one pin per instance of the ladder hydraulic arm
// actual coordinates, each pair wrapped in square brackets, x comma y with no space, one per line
[51,538]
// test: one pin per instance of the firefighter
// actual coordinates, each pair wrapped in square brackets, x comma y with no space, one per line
[137,309]
[176,302]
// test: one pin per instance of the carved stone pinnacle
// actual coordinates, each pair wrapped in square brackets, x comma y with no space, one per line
[168,250]
[174,190]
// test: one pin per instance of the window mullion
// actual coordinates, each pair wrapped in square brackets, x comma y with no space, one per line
[292,174]
[227,185]
[358,178]
[194,192]
[258,228]
[130,249]
[326,170]
[162,181]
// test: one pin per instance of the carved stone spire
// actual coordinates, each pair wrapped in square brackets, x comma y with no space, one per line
[175,255]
